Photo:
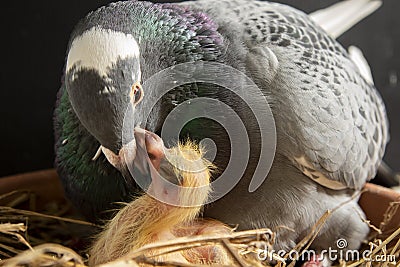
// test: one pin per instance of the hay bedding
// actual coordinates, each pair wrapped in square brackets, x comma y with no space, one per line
[23,225]
[55,236]
[29,238]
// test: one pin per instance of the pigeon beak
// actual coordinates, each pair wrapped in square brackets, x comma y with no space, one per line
[134,158]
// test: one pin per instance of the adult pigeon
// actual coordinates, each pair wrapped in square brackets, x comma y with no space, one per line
[331,125]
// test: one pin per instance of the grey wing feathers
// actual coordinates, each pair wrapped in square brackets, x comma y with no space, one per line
[331,123]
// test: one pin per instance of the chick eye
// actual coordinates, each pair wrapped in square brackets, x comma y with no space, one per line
[136,93]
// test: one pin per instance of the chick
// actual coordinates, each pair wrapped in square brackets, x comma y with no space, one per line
[170,209]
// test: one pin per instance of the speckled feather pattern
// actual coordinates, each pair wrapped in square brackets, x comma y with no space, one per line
[327,114]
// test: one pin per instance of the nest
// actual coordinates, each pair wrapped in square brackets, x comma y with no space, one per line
[55,236]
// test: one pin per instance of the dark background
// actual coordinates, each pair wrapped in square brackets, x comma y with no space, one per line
[34,41]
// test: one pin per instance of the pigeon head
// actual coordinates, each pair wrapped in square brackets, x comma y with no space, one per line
[112,52]
[103,77]
[103,80]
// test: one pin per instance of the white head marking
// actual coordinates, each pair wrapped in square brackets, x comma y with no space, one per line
[99,49]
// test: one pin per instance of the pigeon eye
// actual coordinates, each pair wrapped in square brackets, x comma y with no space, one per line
[136,93]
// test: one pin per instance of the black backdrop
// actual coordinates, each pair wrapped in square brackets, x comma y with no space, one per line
[34,40]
